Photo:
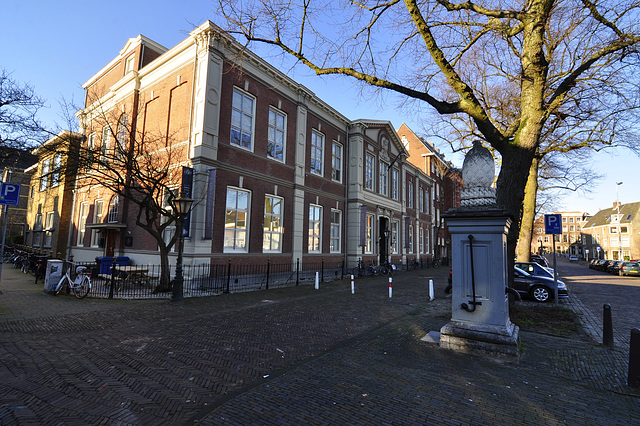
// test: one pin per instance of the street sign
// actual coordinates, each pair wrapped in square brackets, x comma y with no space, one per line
[553,224]
[9,193]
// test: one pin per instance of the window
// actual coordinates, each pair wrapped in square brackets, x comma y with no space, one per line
[236,221]
[421,241]
[572,228]
[624,230]
[395,242]
[315,229]
[410,194]
[91,146]
[122,135]
[570,220]
[368,172]
[37,226]
[275,144]
[336,162]
[410,239]
[396,184]
[48,229]
[546,239]
[169,194]
[97,218]
[421,200]
[613,230]
[104,148]
[368,248]
[427,248]
[335,244]
[129,64]
[242,120]
[44,176]
[55,174]
[272,237]
[112,216]
[317,150]
[82,222]
[383,185]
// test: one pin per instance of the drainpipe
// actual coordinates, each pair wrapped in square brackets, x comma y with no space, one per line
[346,199]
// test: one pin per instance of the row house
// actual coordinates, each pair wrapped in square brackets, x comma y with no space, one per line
[570,242]
[12,170]
[275,173]
[447,179]
[614,233]
[50,194]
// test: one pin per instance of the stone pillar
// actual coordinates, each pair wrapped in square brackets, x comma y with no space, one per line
[480,320]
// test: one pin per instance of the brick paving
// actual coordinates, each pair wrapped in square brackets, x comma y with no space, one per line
[289,356]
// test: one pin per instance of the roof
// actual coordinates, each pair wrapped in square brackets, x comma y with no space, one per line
[629,213]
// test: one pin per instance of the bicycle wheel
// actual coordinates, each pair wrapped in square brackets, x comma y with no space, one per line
[60,285]
[82,288]
[384,270]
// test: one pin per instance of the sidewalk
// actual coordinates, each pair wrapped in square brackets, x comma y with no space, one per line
[287,356]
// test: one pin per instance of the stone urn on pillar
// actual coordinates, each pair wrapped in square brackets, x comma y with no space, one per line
[480,320]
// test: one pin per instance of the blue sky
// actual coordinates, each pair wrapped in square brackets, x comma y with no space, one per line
[58,46]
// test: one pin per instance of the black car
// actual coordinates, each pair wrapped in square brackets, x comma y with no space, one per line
[614,266]
[533,268]
[540,260]
[541,289]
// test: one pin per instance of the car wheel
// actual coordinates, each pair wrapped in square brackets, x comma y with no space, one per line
[540,293]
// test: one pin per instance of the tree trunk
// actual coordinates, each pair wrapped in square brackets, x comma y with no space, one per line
[165,270]
[528,213]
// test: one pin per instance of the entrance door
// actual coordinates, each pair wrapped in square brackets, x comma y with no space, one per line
[110,242]
[384,240]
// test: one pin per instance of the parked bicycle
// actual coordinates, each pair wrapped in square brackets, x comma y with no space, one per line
[358,271]
[80,286]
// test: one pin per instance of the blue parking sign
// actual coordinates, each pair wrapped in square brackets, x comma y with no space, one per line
[553,224]
[9,193]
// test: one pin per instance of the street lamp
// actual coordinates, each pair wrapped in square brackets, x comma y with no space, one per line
[182,206]
[619,236]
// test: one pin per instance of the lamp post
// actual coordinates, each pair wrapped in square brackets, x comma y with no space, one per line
[619,236]
[183,206]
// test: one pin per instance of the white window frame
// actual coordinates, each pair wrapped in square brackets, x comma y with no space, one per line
[369,233]
[395,176]
[383,184]
[91,146]
[113,209]
[369,171]
[55,173]
[335,242]
[421,241]
[48,229]
[273,225]
[240,115]
[122,137]
[169,194]
[410,194]
[44,176]
[336,161]
[395,240]
[410,249]
[277,135]
[316,153]
[104,145]
[237,233]
[315,229]
[82,222]
[97,218]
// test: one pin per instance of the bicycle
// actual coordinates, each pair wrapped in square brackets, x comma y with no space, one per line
[80,286]
[358,271]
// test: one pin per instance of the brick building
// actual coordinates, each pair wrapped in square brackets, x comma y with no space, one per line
[446,188]
[614,233]
[276,173]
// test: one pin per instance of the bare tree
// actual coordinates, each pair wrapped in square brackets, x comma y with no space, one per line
[20,128]
[513,70]
[142,166]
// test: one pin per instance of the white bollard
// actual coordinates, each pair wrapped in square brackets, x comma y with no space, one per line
[317,281]
[353,288]
[431,293]
[390,286]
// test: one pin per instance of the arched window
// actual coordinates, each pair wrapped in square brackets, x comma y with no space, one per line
[112,217]
[122,135]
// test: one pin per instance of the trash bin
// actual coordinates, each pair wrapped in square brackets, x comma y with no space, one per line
[53,275]
[105,263]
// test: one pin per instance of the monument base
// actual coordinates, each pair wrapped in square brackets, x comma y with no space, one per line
[481,339]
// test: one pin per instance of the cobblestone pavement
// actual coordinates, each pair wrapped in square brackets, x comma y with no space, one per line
[288,356]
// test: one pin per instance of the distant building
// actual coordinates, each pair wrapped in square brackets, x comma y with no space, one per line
[12,165]
[570,242]
[448,183]
[614,233]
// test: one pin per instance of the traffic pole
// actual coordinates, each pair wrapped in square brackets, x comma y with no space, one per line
[390,287]
[431,292]
[353,288]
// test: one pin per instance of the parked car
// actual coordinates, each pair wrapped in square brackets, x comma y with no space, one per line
[629,268]
[541,289]
[573,258]
[540,260]
[604,266]
[593,263]
[614,266]
[533,268]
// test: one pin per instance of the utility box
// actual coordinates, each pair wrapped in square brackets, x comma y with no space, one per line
[53,275]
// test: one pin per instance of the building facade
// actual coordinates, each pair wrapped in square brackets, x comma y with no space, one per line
[614,233]
[275,172]
[445,193]
[570,242]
